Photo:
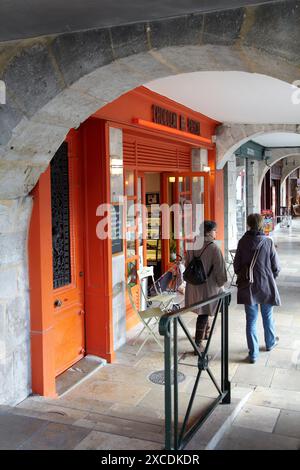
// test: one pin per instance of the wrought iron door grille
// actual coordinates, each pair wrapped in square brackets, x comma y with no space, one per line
[60,218]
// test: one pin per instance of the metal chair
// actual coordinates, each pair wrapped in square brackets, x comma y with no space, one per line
[163,299]
[147,316]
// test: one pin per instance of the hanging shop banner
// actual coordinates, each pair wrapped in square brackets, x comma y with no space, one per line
[268,216]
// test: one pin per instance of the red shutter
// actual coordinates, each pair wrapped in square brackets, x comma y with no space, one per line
[148,153]
[129,151]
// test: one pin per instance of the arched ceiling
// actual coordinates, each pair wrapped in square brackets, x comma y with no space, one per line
[278,139]
[237,97]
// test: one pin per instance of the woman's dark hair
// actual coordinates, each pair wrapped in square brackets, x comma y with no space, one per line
[209,225]
[255,222]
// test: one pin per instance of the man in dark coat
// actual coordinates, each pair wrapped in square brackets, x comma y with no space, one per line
[263,289]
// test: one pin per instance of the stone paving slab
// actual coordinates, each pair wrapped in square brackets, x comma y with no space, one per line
[283,319]
[125,374]
[83,404]
[281,399]
[5,409]
[284,379]
[288,424]
[239,438]
[296,322]
[155,400]
[139,413]
[282,358]
[154,362]
[55,436]
[288,337]
[123,427]
[112,391]
[15,430]
[257,417]
[206,388]
[96,440]
[253,374]
[57,414]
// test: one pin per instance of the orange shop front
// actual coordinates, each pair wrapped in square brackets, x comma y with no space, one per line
[152,151]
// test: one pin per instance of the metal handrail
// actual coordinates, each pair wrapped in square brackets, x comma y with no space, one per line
[176,438]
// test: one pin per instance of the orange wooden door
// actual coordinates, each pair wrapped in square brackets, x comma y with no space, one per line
[132,262]
[67,256]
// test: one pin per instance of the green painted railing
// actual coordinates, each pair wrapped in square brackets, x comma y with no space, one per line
[177,436]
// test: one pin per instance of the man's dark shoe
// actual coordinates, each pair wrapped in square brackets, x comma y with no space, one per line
[251,360]
[274,345]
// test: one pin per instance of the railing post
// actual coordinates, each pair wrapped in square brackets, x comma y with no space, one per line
[175,385]
[225,353]
[168,389]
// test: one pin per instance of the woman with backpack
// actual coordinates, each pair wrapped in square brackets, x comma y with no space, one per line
[256,265]
[215,271]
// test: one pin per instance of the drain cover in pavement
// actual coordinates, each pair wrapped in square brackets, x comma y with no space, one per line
[158,377]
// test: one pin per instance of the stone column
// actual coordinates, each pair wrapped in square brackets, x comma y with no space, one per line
[230,231]
[118,260]
[14,301]
[253,189]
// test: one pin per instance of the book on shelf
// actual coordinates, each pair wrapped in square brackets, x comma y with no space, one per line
[153,233]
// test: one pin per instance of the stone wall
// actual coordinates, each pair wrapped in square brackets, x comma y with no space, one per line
[14,301]
[253,186]
[118,260]
[119,303]
[230,227]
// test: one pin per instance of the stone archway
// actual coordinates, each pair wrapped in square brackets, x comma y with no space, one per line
[292,163]
[290,154]
[256,171]
[54,83]
[290,168]
[231,136]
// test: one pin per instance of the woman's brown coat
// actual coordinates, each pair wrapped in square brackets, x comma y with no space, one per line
[193,294]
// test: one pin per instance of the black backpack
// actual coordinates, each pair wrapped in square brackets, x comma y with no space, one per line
[195,273]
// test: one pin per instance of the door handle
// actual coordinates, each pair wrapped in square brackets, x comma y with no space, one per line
[57,303]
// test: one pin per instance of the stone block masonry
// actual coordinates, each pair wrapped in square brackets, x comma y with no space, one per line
[14,301]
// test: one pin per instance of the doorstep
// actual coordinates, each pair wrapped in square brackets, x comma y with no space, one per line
[76,374]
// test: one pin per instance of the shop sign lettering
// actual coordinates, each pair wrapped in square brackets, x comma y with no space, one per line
[169,118]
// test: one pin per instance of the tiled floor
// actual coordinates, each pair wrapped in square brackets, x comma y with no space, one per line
[271,418]
[119,408]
